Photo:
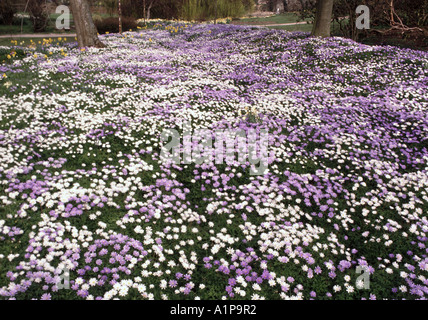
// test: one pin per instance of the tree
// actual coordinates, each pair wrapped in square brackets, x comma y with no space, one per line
[110,6]
[147,7]
[275,5]
[87,34]
[7,11]
[119,11]
[38,15]
[322,21]
[285,5]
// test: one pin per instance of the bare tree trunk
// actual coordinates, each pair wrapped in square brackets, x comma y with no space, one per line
[38,15]
[323,18]
[149,8]
[120,16]
[285,5]
[144,11]
[87,34]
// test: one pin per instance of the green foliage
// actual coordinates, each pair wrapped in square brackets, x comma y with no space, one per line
[206,10]
[5,54]
[38,15]
[110,5]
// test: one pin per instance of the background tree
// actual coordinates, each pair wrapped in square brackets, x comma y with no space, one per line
[285,5]
[87,34]
[39,15]
[110,6]
[119,11]
[201,10]
[7,11]
[147,7]
[322,23]
[275,5]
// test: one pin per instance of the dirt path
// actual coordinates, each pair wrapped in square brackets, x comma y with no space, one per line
[271,25]
[281,24]
[257,24]
[38,35]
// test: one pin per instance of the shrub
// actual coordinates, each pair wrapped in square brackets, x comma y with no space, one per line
[7,11]
[38,15]
[111,24]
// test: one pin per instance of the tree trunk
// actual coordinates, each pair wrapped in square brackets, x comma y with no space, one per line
[216,8]
[149,8]
[119,8]
[285,5]
[323,18]
[87,34]
[144,11]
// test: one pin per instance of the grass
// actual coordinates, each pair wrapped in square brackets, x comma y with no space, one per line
[15,29]
[27,41]
[288,17]
[27,28]
[297,27]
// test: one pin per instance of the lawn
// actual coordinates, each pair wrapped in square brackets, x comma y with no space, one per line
[294,28]
[91,209]
[15,29]
[287,17]
[8,42]
[24,24]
